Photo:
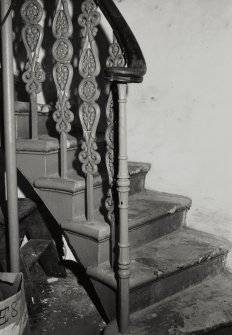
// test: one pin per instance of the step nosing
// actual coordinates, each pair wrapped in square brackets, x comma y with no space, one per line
[161,275]
[133,225]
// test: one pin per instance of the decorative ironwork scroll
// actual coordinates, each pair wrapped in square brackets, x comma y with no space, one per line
[63,73]
[115,59]
[32,34]
[89,112]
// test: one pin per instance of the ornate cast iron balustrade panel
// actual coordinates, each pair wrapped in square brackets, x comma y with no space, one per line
[63,73]
[32,35]
[89,111]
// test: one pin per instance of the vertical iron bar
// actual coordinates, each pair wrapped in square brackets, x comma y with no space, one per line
[34,116]
[89,196]
[9,131]
[63,155]
[123,187]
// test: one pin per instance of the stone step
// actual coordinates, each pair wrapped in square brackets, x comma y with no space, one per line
[151,215]
[162,268]
[43,155]
[203,309]
[71,191]
[46,125]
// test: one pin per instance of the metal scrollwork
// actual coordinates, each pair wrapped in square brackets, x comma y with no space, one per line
[89,69]
[32,34]
[63,71]
[115,59]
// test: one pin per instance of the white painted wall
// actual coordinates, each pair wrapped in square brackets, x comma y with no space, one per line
[180,118]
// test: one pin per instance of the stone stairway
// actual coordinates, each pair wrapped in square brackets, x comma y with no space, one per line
[179,283]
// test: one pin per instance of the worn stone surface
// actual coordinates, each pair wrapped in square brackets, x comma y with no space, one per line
[162,268]
[62,306]
[169,254]
[203,309]
[197,310]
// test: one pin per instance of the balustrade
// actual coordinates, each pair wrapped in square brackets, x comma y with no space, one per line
[89,111]
[62,52]
[32,35]
[124,65]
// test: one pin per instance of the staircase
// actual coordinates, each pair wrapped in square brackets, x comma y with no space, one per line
[175,280]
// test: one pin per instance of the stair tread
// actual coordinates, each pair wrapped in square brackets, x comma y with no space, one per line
[32,250]
[45,144]
[150,205]
[144,207]
[165,256]
[198,310]
[25,207]
[75,182]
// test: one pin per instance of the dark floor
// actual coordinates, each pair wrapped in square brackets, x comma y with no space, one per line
[62,306]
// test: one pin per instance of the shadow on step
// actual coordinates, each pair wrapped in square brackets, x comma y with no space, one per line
[47,219]
[79,271]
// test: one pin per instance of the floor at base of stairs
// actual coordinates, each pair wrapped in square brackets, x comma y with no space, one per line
[61,306]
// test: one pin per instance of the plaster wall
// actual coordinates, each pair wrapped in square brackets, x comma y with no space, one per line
[180,118]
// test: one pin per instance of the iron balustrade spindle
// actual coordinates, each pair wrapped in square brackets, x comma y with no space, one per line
[63,73]
[89,111]
[32,35]
[9,133]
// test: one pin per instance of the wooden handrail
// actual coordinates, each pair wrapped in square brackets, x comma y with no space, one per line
[136,65]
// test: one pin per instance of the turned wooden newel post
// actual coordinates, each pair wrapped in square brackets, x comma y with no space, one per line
[123,188]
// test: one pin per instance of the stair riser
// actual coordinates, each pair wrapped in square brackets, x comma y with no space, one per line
[22,121]
[155,229]
[42,165]
[156,291]
[137,182]
[88,251]
[66,206]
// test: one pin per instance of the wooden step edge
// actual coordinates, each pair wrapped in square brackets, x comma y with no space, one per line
[98,231]
[76,183]
[138,168]
[45,144]
[57,184]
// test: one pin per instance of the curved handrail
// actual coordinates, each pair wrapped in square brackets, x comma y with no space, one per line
[136,65]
